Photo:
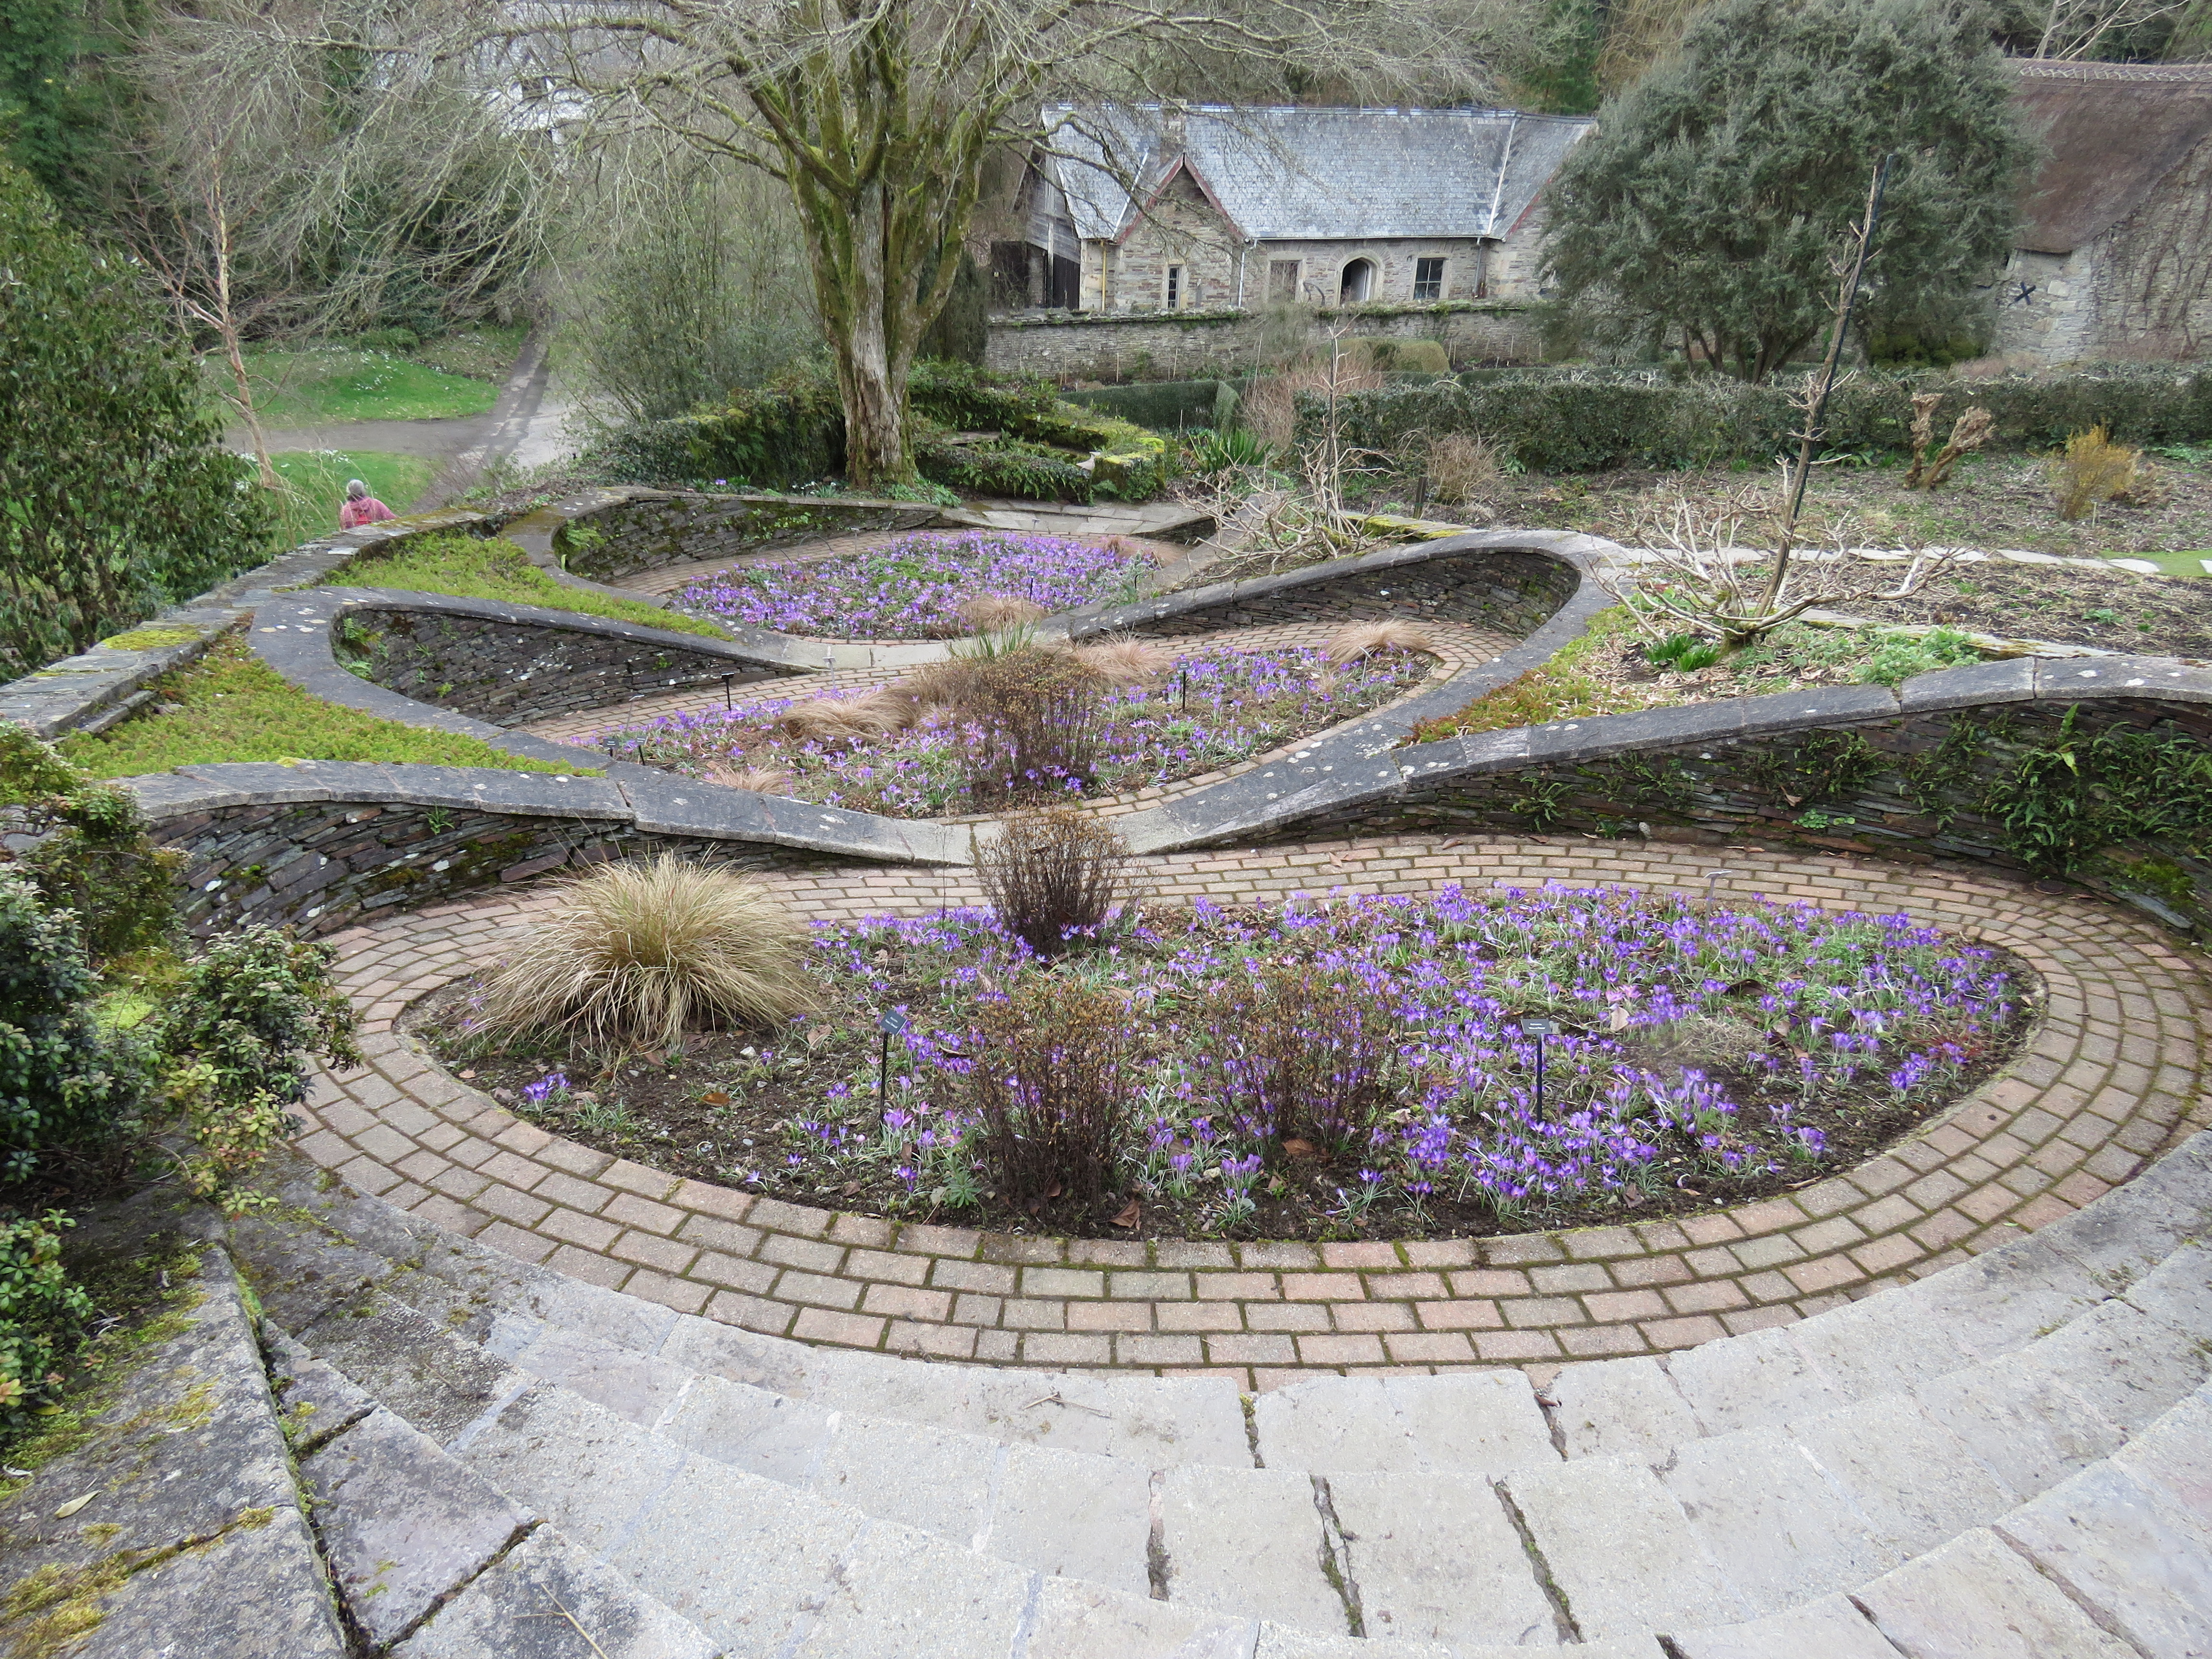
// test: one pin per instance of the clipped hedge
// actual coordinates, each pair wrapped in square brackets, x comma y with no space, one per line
[1026,471]
[1582,421]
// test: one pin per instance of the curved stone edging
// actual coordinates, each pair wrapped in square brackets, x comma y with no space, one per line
[2115,1072]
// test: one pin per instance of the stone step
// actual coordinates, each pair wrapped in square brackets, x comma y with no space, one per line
[1750,1521]
[1905,1338]
[172,1523]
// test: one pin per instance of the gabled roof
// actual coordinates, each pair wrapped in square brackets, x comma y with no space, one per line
[2113,130]
[1294,174]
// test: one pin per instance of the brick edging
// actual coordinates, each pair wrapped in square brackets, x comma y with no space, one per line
[2114,1072]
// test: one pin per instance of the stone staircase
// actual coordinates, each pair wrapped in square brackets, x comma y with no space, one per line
[2013,1457]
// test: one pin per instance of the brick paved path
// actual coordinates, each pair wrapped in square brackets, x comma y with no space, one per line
[1458,646]
[2115,1072]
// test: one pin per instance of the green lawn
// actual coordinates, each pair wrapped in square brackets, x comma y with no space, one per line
[315,481]
[231,706]
[317,385]
[471,567]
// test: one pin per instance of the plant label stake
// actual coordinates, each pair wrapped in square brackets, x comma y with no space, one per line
[893,1024]
[1540,1029]
[1185,677]
[1711,877]
[726,694]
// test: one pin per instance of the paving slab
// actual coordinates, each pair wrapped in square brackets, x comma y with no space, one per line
[1975,1598]
[1619,1550]
[548,1600]
[770,1435]
[1076,1620]
[930,1478]
[1247,1541]
[594,1476]
[1911,1481]
[1067,1514]
[416,1368]
[2134,1555]
[314,1399]
[402,1526]
[1829,1628]
[1751,1380]
[1619,1408]
[2025,1423]
[898,1594]
[1438,1559]
[2175,1456]
[1770,1516]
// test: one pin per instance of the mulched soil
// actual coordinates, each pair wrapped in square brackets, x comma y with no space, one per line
[716,1105]
[1991,502]
[2115,609]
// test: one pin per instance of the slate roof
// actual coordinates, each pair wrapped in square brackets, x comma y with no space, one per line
[2112,131]
[1295,173]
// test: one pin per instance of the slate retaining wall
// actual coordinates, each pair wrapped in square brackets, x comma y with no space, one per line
[648,529]
[1502,588]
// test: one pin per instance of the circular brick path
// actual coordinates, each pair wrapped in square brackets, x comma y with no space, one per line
[2115,1072]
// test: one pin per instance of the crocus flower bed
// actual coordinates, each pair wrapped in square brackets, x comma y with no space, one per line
[913,588]
[1216,707]
[1701,1055]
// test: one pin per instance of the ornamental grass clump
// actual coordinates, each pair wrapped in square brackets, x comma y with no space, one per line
[637,954]
[1052,875]
[2092,471]
[1050,1084]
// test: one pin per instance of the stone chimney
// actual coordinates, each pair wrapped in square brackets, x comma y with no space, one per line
[1171,133]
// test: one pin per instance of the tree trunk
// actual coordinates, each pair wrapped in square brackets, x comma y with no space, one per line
[871,330]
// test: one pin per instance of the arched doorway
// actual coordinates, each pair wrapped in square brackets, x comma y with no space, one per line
[1357,283]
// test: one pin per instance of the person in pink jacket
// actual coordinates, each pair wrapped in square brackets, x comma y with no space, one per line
[361,507]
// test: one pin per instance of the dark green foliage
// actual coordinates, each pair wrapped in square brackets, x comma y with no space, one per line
[1708,205]
[115,494]
[63,1084]
[56,94]
[1586,420]
[252,1006]
[1163,405]
[1026,471]
[95,858]
[1685,652]
[2062,801]
[1556,71]
[43,1312]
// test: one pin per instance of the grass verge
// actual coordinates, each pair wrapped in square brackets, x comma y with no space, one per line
[310,385]
[472,568]
[230,706]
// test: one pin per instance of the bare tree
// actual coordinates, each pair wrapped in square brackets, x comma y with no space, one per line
[879,117]
[2081,29]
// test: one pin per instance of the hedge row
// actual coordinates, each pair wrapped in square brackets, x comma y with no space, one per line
[1163,405]
[1581,421]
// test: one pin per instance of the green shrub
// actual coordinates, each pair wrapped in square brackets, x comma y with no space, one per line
[64,1085]
[235,1039]
[1584,420]
[1026,471]
[1163,405]
[116,493]
[93,856]
[43,1312]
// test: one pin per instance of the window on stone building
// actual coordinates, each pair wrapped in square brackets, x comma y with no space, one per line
[1428,279]
[1174,288]
[1357,285]
[1282,281]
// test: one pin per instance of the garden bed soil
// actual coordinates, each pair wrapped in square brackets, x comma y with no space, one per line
[1993,502]
[2059,605]
[725,1100]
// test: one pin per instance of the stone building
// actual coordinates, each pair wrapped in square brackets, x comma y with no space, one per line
[2115,256]
[1159,208]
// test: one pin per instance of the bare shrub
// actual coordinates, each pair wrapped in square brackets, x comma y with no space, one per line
[1463,466]
[761,780]
[1051,1080]
[2093,470]
[1054,874]
[1120,659]
[1296,1049]
[1270,408]
[639,953]
[1039,715]
[1357,640]
[1968,433]
[994,613]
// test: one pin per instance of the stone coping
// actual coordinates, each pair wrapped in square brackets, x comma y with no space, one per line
[2115,1072]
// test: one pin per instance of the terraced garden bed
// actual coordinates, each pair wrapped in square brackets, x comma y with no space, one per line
[1337,1068]
[896,751]
[917,588]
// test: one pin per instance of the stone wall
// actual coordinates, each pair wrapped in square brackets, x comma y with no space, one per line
[1514,591]
[649,530]
[1204,345]
[514,673]
[1908,787]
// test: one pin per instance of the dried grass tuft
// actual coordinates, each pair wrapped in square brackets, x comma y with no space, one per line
[1463,467]
[1121,660]
[2094,469]
[761,780]
[1357,640]
[639,953]
[994,613]
[871,714]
